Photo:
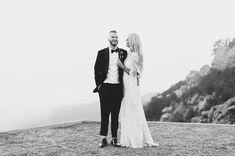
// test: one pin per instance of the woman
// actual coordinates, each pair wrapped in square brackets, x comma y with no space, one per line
[134,128]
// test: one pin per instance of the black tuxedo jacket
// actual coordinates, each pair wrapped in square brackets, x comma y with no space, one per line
[102,66]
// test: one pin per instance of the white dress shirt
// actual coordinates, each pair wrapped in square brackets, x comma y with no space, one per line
[112,75]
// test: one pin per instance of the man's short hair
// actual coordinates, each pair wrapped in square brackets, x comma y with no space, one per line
[113,31]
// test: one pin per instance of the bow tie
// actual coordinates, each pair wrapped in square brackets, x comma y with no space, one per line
[112,51]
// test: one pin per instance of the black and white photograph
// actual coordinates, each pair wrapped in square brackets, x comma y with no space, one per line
[123,78]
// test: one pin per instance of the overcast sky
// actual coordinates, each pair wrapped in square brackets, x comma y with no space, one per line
[48,48]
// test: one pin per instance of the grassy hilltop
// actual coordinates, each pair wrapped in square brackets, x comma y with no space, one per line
[81,138]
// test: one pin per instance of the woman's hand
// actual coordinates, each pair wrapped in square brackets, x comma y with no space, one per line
[120,64]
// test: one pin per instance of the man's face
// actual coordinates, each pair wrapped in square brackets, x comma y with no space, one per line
[113,39]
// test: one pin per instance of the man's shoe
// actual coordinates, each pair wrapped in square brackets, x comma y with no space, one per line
[115,143]
[103,143]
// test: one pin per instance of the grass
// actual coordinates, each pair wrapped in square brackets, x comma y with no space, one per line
[81,138]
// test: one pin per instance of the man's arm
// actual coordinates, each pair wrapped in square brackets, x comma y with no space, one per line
[97,68]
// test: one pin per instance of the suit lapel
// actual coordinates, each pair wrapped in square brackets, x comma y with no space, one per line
[106,60]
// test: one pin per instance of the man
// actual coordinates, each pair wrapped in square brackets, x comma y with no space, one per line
[109,85]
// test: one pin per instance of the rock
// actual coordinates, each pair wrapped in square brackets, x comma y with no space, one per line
[193,100]
[211,114]
[204,70]
[158,96]
[205,103]
[168,95]
[188,114]
[224,113]
[193,78]
[201,106]
[230,58]
[205,114]
[167,117]
[197,119]
[220,58]
[167,110]
[230,102]
[178,113]
[192,74]
[195,108]
[224,58]
[231,108]
[181,91]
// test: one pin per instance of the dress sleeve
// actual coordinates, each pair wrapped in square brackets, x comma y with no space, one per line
[134,65]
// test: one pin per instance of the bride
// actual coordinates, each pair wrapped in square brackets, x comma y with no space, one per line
[134,128]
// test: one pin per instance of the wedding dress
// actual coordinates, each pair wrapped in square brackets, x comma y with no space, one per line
[134,128]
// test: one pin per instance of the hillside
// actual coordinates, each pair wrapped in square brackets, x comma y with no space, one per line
[205,96]
[81,138]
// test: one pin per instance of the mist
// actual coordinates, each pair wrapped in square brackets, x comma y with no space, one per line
[48,50]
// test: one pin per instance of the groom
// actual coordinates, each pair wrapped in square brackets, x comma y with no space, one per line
[109,85]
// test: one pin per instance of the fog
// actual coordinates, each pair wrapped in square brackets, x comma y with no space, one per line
[48,49]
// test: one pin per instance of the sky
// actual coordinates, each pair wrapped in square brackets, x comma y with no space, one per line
[48,48]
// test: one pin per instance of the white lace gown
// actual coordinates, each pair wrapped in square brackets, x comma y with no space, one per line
[134,128]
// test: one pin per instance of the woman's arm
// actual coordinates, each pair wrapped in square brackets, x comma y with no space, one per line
[121,65]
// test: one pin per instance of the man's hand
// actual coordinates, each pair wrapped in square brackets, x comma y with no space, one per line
[99,87]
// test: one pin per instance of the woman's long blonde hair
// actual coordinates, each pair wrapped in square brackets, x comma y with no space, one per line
[136,46]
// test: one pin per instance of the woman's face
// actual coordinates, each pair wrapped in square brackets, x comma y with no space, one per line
[127,42]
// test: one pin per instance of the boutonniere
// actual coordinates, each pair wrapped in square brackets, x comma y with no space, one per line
[121,55]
